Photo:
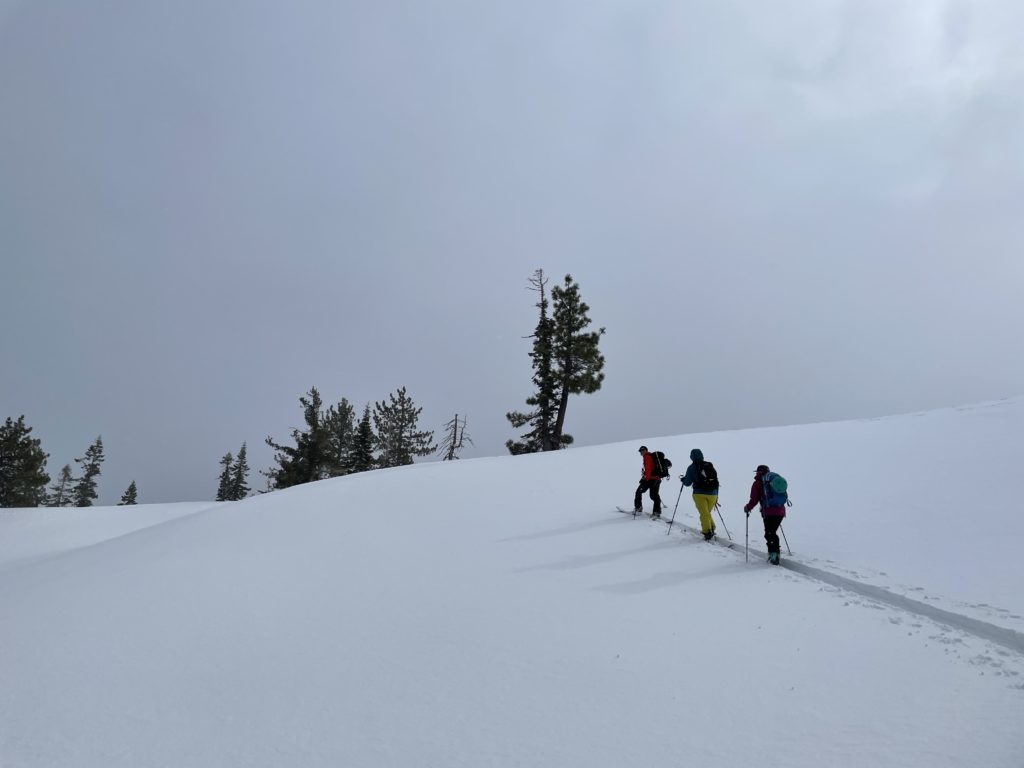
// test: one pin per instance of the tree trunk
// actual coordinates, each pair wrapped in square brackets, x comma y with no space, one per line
[563,404]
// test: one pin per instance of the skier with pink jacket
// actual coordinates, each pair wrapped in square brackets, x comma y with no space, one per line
[769,490]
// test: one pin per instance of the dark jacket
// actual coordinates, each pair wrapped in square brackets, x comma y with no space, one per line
[757,496]
[692,473]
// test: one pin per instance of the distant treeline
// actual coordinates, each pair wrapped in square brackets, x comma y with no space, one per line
[565,360]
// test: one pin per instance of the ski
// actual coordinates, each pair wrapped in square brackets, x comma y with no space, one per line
[646,514]
[715,539]
[639,514]
[684,528]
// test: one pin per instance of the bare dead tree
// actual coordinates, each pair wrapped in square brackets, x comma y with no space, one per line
[455,439]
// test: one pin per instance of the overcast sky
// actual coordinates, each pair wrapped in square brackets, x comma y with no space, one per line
[781,211]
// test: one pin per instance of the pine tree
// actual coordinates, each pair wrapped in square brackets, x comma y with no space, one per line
[565,362]
[544,400]
[239,486]
[85,488]
[224,482]
[340,427]
[310,458]
[397,435]
[360,456]
[60,491]
[130,496]
[23,475]
[578,364]
[455,438]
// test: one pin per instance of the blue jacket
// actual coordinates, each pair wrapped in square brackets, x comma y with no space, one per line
[697,458]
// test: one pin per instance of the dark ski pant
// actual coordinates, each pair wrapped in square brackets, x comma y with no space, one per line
[652,486]
[771,531]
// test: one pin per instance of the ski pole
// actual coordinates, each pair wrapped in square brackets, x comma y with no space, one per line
[790,551]
[746,545]
[674,510]
[718,509]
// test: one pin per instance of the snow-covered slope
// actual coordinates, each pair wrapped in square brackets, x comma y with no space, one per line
[33,533]
[499,612]
[926,504]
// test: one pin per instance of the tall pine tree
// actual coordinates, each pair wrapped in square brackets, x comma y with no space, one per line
[565,360]
[360,456]
[23,475]
[85,487]
[130,496]
[239,485]
[541,420]
[340,427]
[398,435]
[60,491]
[578,364]
[224,481]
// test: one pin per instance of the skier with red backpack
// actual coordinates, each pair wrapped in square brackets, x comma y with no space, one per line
[656,467]
[770,491]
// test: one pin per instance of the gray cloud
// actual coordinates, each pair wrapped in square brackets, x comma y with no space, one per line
[781,213]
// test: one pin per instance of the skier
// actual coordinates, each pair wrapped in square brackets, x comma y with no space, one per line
[649,481]
[772,511]
[704,479]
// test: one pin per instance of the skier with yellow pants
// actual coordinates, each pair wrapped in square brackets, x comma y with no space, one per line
[704,479]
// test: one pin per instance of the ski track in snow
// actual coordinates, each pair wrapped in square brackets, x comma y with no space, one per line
[1008,639]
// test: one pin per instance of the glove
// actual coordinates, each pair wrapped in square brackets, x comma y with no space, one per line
[746,512]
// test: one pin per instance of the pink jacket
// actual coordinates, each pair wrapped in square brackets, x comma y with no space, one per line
[757,497]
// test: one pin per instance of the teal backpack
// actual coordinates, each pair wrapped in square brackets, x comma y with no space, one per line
[776,490]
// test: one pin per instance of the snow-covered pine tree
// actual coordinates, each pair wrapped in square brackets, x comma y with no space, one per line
[130,496]
[85,487]
[224,481]
[60,491]
[23,475]
[360,457]
[398,436]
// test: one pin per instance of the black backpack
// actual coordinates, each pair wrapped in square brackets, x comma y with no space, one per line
[707,478]
[661,465]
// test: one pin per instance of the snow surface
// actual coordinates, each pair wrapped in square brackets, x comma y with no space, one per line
[31,533]
[500,612]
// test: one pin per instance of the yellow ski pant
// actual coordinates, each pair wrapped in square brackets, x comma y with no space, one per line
[705,503]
